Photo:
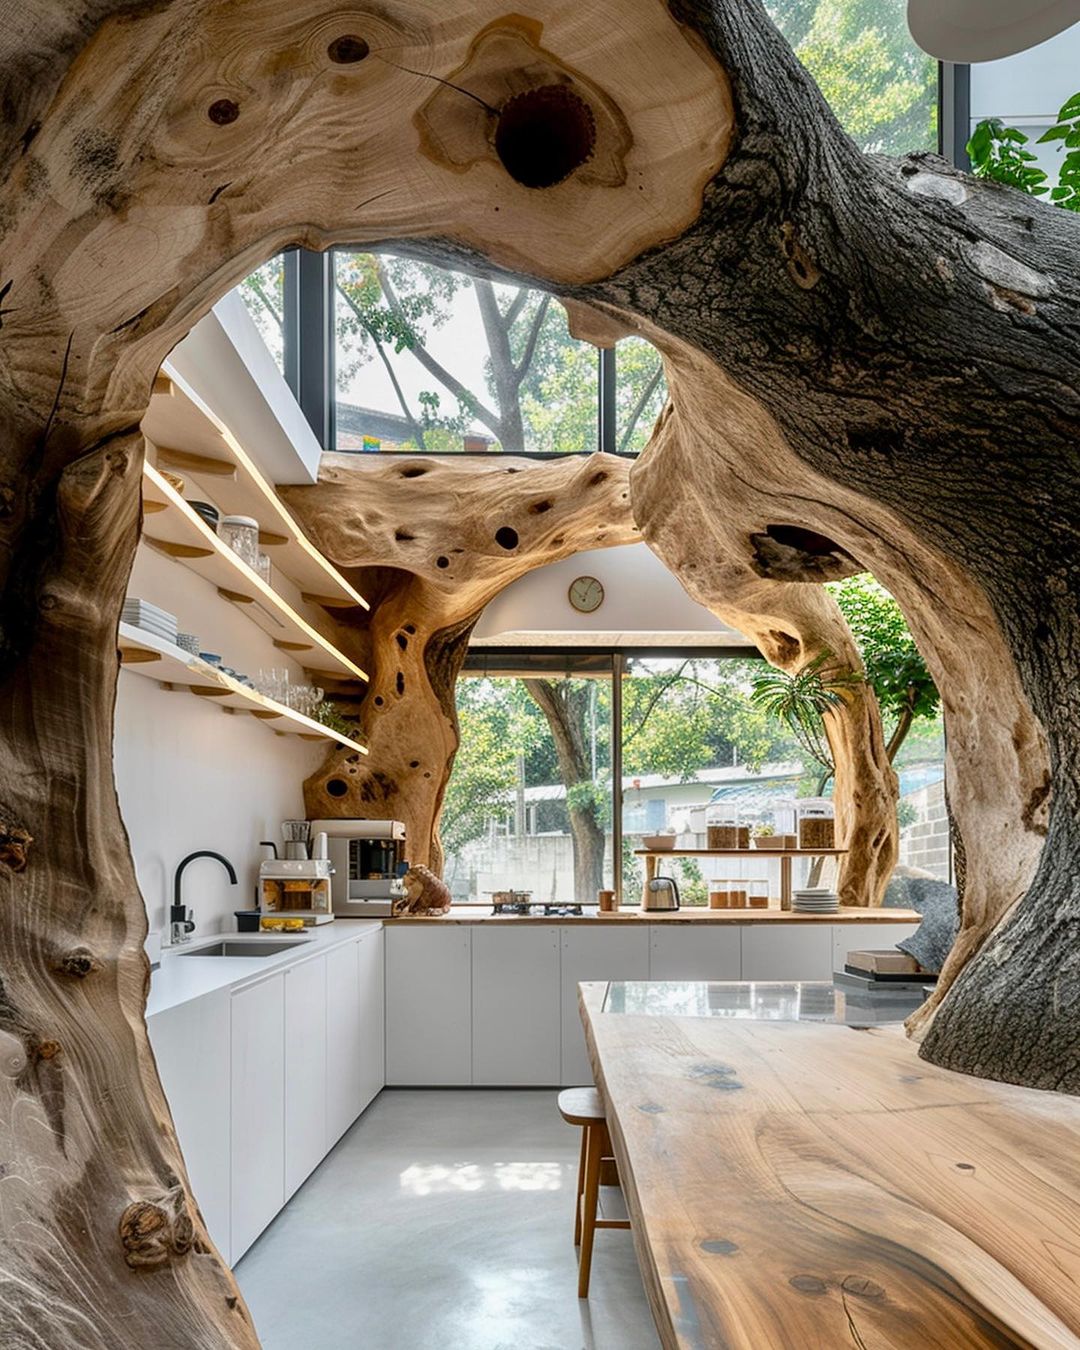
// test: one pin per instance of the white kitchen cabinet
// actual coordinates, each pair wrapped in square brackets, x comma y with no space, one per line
[343,1008]
[606,952]
[257,1127]
[786,951]
[428,1005]
[515,1005]
[372,1047]
[305,1071]
[191,1045]
[862,937]
[694,951]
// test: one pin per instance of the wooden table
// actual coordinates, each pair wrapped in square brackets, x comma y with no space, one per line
[653,856]
[804,1185]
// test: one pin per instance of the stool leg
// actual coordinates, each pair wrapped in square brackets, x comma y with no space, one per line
[580,1187]
[593,1153]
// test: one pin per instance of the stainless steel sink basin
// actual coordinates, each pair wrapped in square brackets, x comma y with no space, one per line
[246,947]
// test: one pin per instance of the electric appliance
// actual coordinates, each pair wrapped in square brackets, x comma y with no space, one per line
[661,893]
[368,860]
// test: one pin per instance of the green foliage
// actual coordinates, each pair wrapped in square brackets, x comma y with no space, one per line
[997,152]
[800,700]
[881,87]
[329,714]
[894,668]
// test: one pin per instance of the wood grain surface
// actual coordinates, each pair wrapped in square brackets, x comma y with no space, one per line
[800,1184]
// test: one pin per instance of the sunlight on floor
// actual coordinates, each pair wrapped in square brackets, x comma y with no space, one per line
[505,1176]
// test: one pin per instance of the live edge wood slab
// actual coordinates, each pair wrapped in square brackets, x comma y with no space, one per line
[800,1184]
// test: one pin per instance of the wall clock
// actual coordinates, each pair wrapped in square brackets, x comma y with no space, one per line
[586,594]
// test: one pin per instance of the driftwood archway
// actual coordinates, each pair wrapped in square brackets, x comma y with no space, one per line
[885,345]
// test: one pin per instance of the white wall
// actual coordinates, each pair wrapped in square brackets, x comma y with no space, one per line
[640,596]
[1027,90]
[188,775]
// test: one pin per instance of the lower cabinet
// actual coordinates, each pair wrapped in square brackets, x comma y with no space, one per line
[263,1079]
[603,953]
[371,968]
[305,1070]
[516,1027]
[786,951]
[191,1046]
[699,952]
[257,1126]
[428,1005]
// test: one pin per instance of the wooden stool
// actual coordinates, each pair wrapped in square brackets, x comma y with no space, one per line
[582,1106]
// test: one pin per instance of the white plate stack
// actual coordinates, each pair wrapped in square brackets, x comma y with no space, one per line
[151,619]
[815,900]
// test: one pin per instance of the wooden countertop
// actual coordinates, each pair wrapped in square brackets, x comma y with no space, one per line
[698,914]
[799,1184]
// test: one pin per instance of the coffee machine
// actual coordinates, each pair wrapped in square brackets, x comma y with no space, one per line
[368,860]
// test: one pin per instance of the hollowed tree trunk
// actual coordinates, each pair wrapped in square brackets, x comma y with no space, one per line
[889,349]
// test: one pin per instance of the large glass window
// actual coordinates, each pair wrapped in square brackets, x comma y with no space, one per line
[528,806]
[431,359]
[640,393]
[263,292]
[880,85]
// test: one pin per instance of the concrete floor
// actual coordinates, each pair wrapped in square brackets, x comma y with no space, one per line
[444,1221]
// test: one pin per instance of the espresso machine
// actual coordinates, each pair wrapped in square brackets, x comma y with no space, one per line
[296,889]
[368,862]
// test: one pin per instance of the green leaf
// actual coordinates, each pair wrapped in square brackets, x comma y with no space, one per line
[1070,109]
[1057,133]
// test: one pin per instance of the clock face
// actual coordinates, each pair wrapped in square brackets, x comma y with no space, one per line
[586,594]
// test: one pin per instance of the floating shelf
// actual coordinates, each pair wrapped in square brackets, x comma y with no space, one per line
[146,654]
[173,528]
[191,440]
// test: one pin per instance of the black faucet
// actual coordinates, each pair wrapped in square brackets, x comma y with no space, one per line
[180,924]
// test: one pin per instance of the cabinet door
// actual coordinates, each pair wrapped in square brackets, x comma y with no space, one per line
[342,1041]
[786,951]
[694,951]
[515,1005]
[867,937]
[606,952]
[428,1005]
[258,1109]
[191,1046]
[305,1071]
[372,1017]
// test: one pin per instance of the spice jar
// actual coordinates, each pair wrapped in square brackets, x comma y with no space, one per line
[241,533]
[817,825]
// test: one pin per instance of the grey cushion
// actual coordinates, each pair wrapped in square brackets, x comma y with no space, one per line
[936,901]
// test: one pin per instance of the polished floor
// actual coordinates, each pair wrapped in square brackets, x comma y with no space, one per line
[443,1221]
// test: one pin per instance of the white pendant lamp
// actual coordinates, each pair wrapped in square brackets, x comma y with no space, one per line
[984,30]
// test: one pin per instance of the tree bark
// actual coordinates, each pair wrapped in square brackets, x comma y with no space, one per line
[438,539]
[883,352]
[98,1211]
[565,710]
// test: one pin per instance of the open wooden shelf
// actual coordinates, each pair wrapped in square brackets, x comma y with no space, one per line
[173,528]
[146,654]
[190,440]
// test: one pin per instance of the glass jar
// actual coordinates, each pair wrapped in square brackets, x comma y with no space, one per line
[758,893]
[241,533]
[817,824]
[722,826]
[719,894]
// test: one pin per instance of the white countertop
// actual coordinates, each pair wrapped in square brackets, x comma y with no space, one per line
[182,977]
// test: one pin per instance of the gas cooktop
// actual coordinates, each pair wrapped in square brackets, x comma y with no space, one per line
[545,911]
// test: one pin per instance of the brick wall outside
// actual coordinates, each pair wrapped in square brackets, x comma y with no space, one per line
[925,844]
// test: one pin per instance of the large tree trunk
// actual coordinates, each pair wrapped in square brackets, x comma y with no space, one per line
[889,348]
[437,539]
[565,708]
[100,1224]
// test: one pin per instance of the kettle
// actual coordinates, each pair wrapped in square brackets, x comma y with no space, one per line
[661,893]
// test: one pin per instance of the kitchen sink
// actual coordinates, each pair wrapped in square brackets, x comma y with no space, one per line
[246,947]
